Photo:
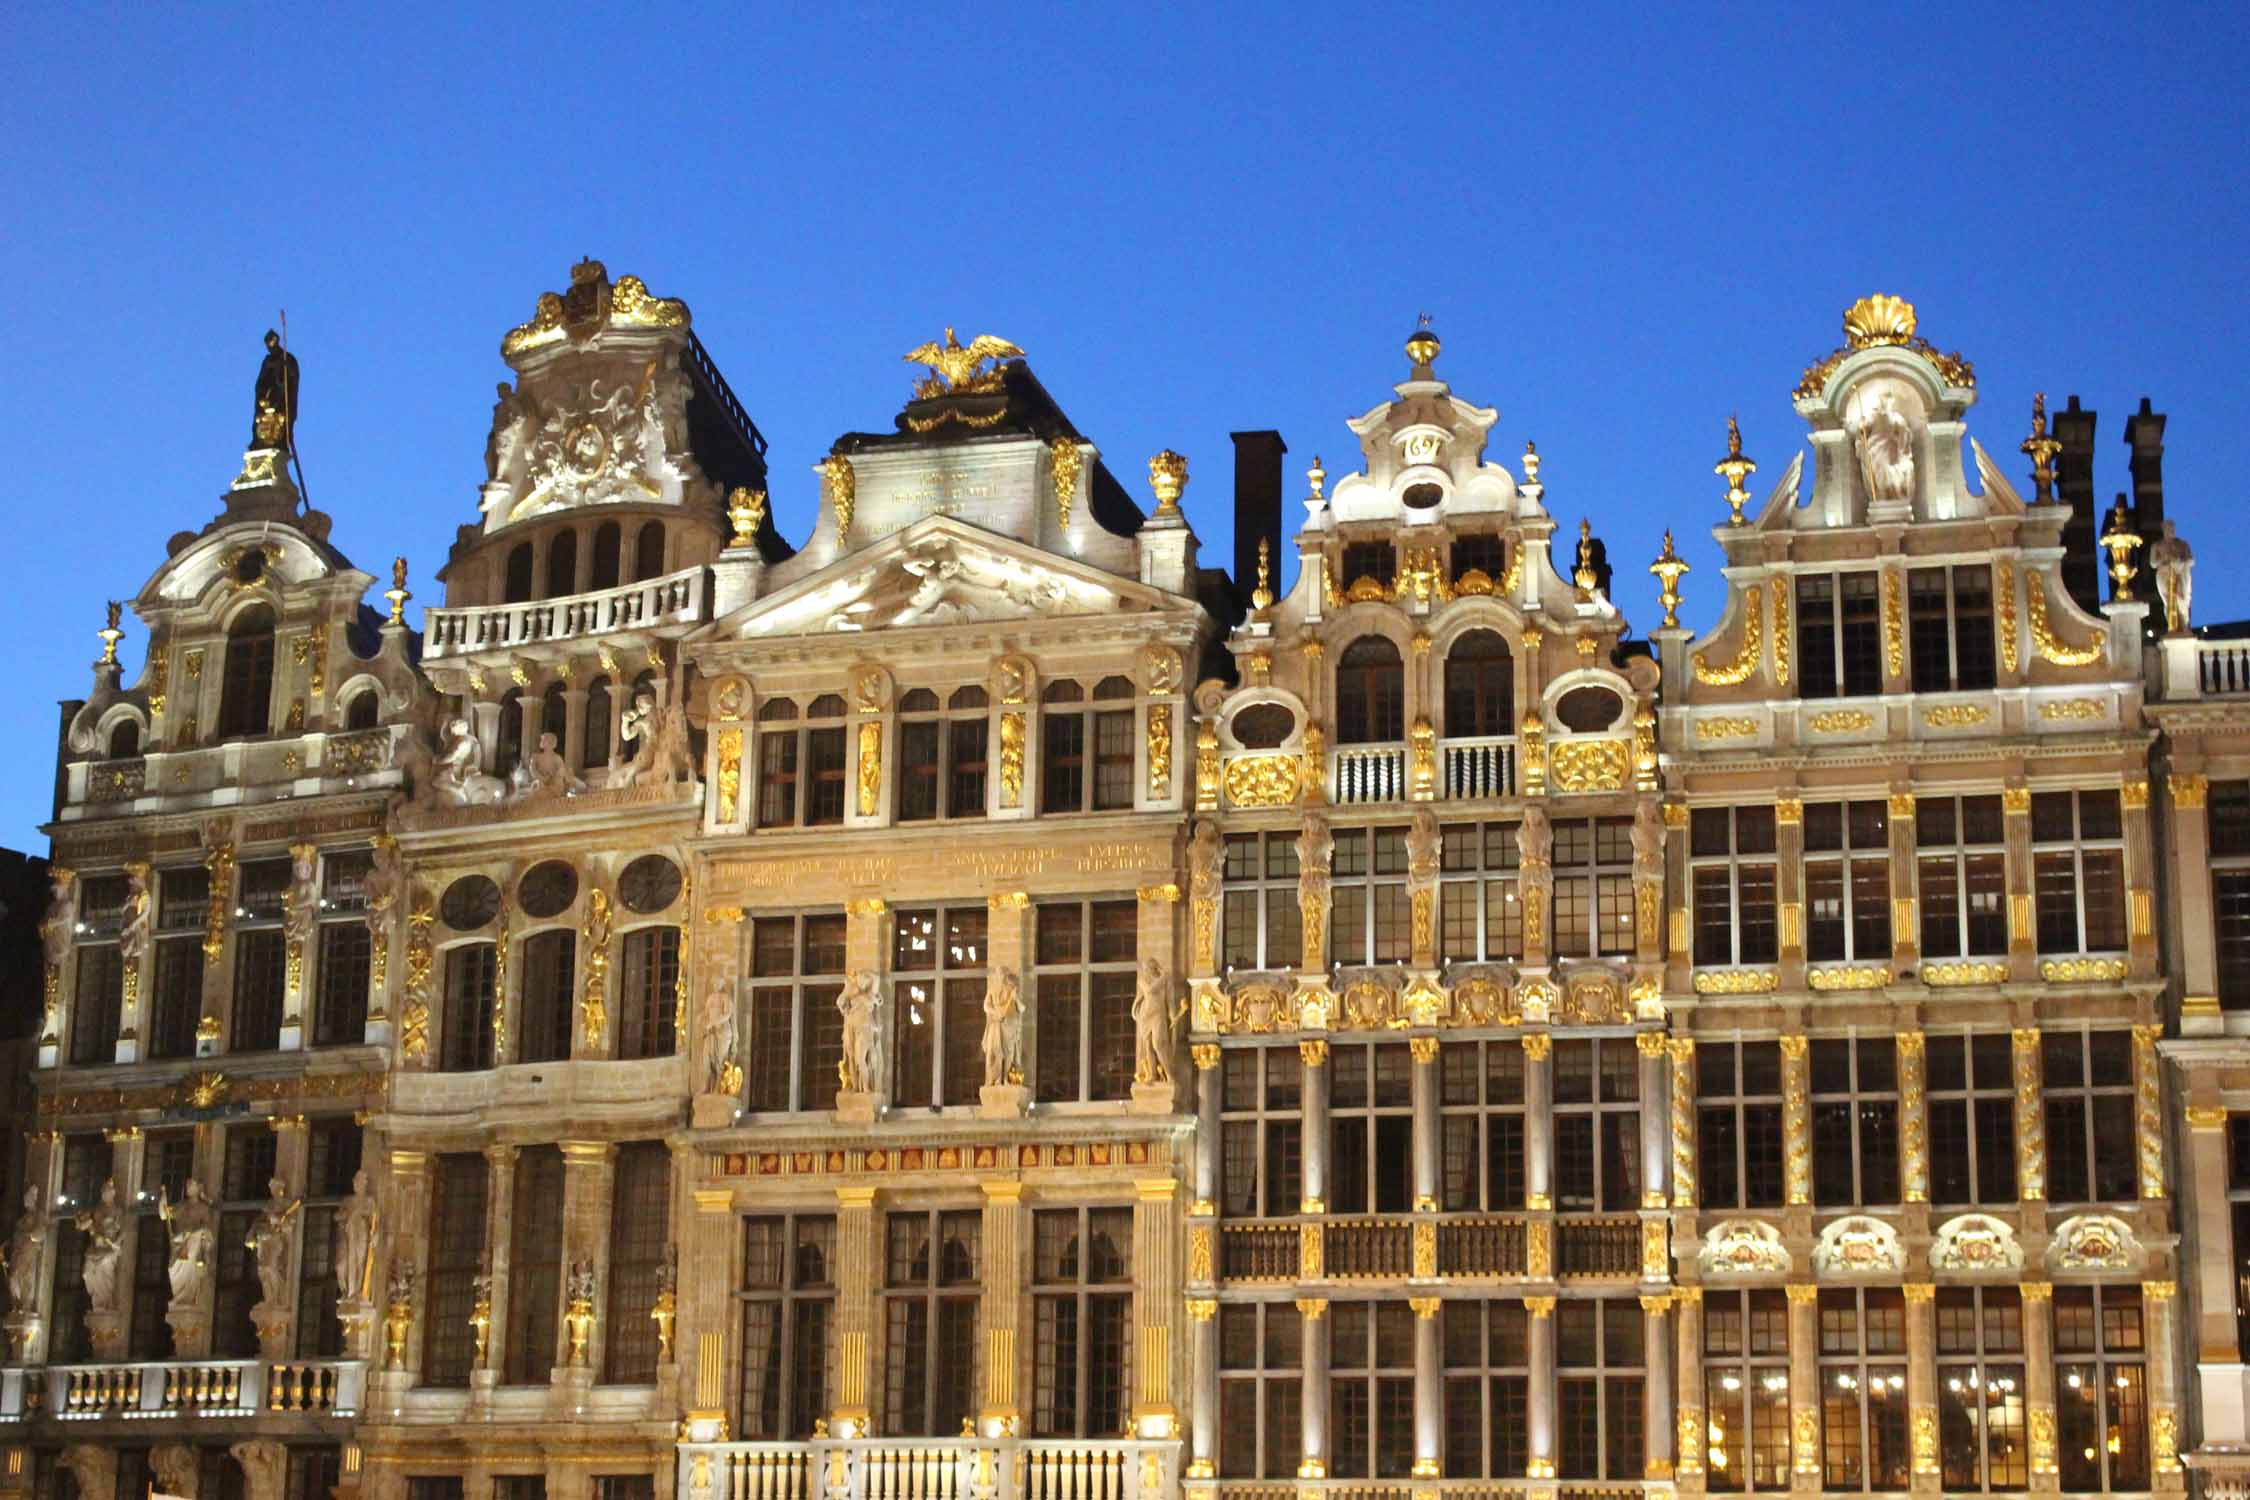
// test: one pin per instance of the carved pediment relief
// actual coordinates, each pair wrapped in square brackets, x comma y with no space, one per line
[1976,1242]
[939,573]
[2094,1242]
[1743,1247]
[1858,1246]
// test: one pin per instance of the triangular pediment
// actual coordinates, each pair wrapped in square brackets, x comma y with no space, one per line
[940,571]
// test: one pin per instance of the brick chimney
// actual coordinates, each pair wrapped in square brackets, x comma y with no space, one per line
[2074,486]
[1257,507]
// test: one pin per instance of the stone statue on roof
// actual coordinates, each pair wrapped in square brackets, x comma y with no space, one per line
[273,420]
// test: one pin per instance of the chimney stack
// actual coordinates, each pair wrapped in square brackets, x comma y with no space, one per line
[1257,507]
[2144,434]
[2074,487]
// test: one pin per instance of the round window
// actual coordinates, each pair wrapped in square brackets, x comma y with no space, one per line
[547,889]
[1588,709]
[469,903]
[1263,726]
[649,884]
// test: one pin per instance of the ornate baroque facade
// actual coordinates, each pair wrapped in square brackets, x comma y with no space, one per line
[978,1005]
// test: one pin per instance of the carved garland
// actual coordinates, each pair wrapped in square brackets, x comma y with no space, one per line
[2052,646]
[1780,589]
[1746,660]
[2005,607]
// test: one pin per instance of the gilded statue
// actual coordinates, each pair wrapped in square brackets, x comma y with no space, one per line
[1003,1030]
[954,367]
[2173,563]
[25,1246]
[1155,1016]
[273,417]
[104,1228]
[860,1070]
[270,1242]
[193,1226]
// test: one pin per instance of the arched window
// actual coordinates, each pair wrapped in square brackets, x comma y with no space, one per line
[510,753]
[594,747]
[562,564]
[1370,693]
[554,714]
[516,589]
[364,709]
[125,740]
[648,553]
[1480,687]
[246,690]
[608,543]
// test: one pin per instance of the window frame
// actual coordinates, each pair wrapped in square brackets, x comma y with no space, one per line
[1091,1302]
[811,1034]
[2088,864]
[947,1380]
[1084,1000]
[1725,884]
[954,994]
[788,1301]
[1746,1340]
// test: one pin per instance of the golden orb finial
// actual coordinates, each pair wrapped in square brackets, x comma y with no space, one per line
[1422,348]
[1877,320]
[111,635]
[1261,597]
[1317,477]
[1168,476]
[1584,575]
[397,593]
[1734,468]
[1668,568]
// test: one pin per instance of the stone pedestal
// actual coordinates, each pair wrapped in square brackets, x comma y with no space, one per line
[106,1331]
[273,1330]
[1002,1101]
[482,1383]
[27,1344]
[855,1107]
[191,1330]
[358,1318]
[714,1111]
[1156,1098]
[572,1385]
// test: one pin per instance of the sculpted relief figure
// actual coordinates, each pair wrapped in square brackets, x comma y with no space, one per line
[24,1249]
[1535,838]
[511,419]
[1003,1030]
[548,774]
[194,1230]
[1154,1017]
[1205,856]
[1424,842]
[1648,842]
[717,1025]
[355,1242]
[384,873]
[60,925]
[861,1005]
[455,779]
[132,938]
[270,1242]
[1885,440]
[660,732]
[104,1228]
[303,906]
[2173,563]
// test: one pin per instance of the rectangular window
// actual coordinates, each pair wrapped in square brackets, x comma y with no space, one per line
[2087,1077]
[1746,1389]
[1083,957]
[1086,754]
[333,1149]
[650,1000]
[1981,1393]
[1082,1303]
[1972,1115]
[796,1033]
[340,1015]
[2078,871]
[314,1473]
[1480,915]
[546,999]
[788,1308]
[1263,924]
[1370,1128]
[1839,635]
[1261,1131]
[260,985]
[1370,1390]
[1597,1126]
[1481,1127]
[802,767]
[1738,1124]
[168,1164]
[932,1359]
[85,1168]
[1370,917]
[1855,1121]
[937,958]
[471,973]
[1376,561]
[1261,1388]
[1847,881]
[1483,552]
[2101,1389]
[1734,872]
[1862,1376]
[2230,903]
[1961,865]
[1486,1352]
[456,1250]
[535,1267]
[941,755]
[247,1171]
[639,1252]
[176,1001]
[1593,864]
[2238,1196]
[95,1010]
[1949,619]
[1600,1367]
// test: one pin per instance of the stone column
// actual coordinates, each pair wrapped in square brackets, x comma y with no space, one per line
[277,1326]
[1681,1051]
[1203,1419]
[2164,1393]
[1656,1121]
[1429,1390]
[1796,1122]
[265,1469]
[2023,932]
[1804,1388]
[1008,956]
[867,950]
[589,1182]
[1913,1119]
[574,724]
[175,1469]
[1208,1103]
[1156,936]
[859,1260]
[2031,1122]
[2217,1341]
[499,1256]
[132,1004]
[1428,1123]
[2039,1383]
[1921,1382]
[1314,1054]
[1002,1309]
[1540,1414]
[94,1466]
[1156,1305]
[1538,1122]
[1678,951]
[1657,1413]
[1688,1463]
[1906,914]
[191,1326]
[708,1271]
[1313,1404]
[2195,954]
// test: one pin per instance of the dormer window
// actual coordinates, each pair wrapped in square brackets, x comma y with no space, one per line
[246,686]
[1375,562]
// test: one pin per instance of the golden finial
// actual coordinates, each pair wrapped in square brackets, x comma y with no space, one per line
[1422,348]
[1668,568]
[1318,478]
[1261,597]
[1880,319]
[746,508]
[111,635]
[2120,539]
[397,593]
[1734,468]
[2041,450]
[1583,575]
[1530,462]
[1168,476]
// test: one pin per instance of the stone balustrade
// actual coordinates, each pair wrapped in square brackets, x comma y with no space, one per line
[967,1468]
[675,599]
[175,1388]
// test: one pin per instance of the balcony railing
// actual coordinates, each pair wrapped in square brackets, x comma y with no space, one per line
[675,599]
[178,1388]
[1467,1245]
[929,1469]
[1483,767]
[1369,773]
[2222,668]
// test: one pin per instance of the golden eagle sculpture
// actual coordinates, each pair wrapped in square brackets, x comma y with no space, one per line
[958,365]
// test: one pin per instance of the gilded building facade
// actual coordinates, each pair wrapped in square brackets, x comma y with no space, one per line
[977,1003]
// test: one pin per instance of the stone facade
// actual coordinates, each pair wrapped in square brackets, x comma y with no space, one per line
[976,1004]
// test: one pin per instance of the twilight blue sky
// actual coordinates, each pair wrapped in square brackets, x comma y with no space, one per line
[1626,225]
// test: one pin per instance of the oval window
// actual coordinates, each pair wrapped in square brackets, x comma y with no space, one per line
[649,884]
[469,903]
[1587,709]
[547,890]
[1263,726]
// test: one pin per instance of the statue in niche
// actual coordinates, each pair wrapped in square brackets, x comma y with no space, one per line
[511,419]
[1885,441]
[104,1228]
[24,1249]
[1535,839]
[132,937]
[1154,1017]
[270,1242]
[1424,843]
[2173,563]
[455,777]
[355,1242]
[59,928]
[193,1226]
[1205,855]
[273,417]
[1003,1030]
[717,1024]
[384,872]
[303,907]
[1648,842]
[660,732]
[860,1070]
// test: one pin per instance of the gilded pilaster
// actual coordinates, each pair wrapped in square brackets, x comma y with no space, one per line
[1682,1053]
[2023,932]
[2148,1111]
[1906,926]
[2164,1393]
[1688,1423]
[1804,1388]
[1796,1122]
[1921,1384]
[1156,1305]
[1913,1118]
[2031,1118]
[2140,878]
[859,1258]
[1002,1307]
[2039,1382]
[2216,1338]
